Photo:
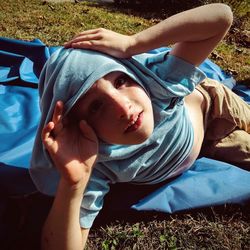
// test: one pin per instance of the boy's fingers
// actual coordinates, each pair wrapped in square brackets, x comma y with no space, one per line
[47,130]
[86,32]
[86,35]
[91,31]
[46,134]
[86,44]
[57,115]
[84,38]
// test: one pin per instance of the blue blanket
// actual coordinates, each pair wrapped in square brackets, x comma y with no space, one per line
[207,183]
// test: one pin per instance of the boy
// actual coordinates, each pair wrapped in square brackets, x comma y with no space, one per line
[106,119]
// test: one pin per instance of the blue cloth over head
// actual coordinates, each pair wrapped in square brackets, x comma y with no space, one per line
[67,75]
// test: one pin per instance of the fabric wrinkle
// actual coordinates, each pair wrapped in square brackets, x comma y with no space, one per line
[227,124]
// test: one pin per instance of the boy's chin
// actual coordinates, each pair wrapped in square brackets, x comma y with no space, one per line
[133,141]
[138,140]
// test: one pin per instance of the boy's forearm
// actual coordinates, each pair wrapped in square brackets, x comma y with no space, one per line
[62,229]
[193,25]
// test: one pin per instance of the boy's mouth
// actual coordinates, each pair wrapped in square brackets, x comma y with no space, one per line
[134,123]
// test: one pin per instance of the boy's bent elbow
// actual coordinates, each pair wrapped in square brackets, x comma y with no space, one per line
[226,15]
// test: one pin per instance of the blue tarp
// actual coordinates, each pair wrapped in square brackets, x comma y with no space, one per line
[207,183]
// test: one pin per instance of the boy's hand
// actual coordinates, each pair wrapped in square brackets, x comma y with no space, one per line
[103,40]
[73,148]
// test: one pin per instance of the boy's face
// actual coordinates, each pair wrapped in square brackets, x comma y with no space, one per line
[118,109]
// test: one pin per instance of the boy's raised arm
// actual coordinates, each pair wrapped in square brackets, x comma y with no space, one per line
[195,33]
[73,149]
[62,229]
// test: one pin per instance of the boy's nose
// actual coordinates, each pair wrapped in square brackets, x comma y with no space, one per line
[121,106]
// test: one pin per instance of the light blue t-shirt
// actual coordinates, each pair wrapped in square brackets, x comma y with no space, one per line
[69,73]
[170,144]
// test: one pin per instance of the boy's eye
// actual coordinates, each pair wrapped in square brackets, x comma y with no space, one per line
[95,106]
[120,81]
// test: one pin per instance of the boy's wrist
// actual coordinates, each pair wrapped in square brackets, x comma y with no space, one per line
[72,190]
[138,45]
[132,47]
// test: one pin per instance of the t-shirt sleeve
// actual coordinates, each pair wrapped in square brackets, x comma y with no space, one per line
[92,201]
[176,75]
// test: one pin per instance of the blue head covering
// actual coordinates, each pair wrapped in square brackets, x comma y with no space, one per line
[66,76]
[69,73]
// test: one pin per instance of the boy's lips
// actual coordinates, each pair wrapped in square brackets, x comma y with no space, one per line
[134,123]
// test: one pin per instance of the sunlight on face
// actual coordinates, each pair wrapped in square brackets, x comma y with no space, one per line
[118,109]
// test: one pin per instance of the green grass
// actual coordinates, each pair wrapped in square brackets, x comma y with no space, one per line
[226,228]
[55,23]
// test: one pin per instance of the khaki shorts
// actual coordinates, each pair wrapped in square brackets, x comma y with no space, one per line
[227,125]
